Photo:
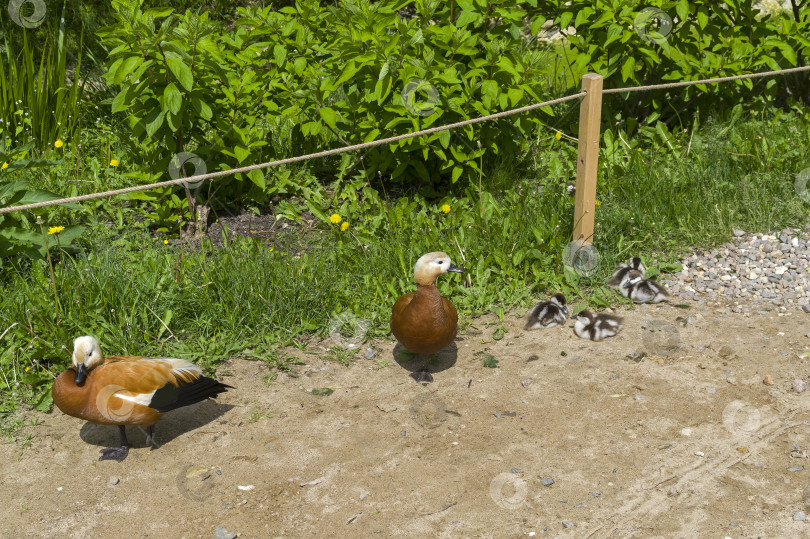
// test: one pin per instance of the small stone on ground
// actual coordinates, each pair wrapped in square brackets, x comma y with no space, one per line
[222,533]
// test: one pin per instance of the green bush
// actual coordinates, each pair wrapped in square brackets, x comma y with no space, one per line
[359,71]
[657,41]
[312,77]
[188,87]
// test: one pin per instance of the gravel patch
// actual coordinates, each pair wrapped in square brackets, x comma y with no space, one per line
[754,272]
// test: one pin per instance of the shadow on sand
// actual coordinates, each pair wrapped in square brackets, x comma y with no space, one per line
[171,425]
[422,366]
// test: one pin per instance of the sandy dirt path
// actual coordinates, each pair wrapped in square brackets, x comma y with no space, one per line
[684,441]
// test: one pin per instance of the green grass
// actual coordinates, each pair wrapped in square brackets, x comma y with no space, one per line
[717,179]
[142,297]
[35,101]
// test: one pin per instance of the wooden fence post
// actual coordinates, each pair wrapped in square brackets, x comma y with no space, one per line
[590,114]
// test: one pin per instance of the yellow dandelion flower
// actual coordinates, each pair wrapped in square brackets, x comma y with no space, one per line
[335,218]
[344,226]
[58,144]
[271,249]
[597,203]
[446,208]
[55,229]
[113,162]
[557,135]
[165,242]
[27,369]
[5,165]
[639,149]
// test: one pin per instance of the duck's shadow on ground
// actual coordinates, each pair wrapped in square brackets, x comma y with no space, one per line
[171,425]
[422,366]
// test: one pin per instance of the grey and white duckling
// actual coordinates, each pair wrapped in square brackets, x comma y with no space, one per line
[641,290]
[628,279]
[547,314]
[621,272]
[597,326]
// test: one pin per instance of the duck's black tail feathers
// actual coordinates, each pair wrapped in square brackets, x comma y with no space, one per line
[170,397]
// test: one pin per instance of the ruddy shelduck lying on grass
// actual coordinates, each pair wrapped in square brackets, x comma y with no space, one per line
[128,390]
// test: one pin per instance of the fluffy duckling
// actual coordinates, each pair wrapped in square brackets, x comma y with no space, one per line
[624,286]
[622,270]
[641,290]
[423,321]
[127,390]
[547,314]
[597,326]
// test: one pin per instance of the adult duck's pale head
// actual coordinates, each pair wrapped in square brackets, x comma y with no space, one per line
[86,356]
[430,266]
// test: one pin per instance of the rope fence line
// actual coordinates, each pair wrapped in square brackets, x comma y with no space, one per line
[704,81]
[289,160]
[379,142]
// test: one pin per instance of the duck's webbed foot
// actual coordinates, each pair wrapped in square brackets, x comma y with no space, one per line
[117,453]
[114,453]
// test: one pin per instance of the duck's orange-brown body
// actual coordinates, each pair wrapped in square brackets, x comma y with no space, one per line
[423,321]
[99,400]
[127,390]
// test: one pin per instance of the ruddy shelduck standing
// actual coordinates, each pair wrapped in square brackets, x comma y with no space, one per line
[423,321]
[127,390]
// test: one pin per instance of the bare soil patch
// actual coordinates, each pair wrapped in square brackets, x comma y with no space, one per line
[664,431]
[273,229]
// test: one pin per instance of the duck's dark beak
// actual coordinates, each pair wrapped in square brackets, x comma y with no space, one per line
[626,284]
[81,374]
[456,269]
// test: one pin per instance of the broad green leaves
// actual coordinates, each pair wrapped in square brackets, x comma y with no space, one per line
[172,99]
[367,73]
[181,71]
[347,73]
[339,74]
[18,236]
[662,40]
